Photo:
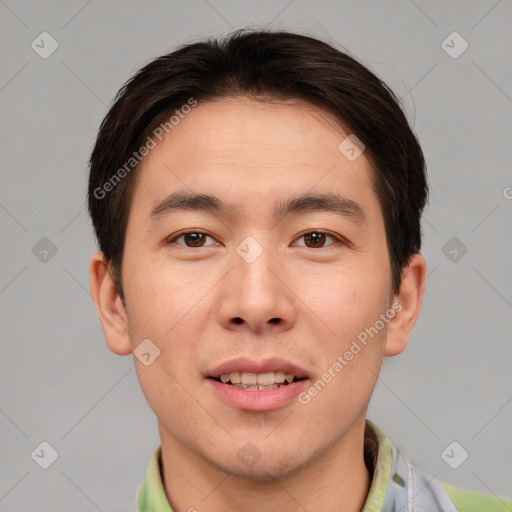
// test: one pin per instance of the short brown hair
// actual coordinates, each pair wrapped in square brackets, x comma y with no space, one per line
[259,64]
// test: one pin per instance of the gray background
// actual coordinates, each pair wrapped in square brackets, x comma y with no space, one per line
[60,383]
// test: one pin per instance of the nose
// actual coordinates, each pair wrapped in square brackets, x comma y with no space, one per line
[257,294]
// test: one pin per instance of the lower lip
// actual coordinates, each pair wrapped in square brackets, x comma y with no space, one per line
[259,399]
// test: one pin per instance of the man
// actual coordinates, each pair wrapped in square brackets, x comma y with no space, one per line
[257,202]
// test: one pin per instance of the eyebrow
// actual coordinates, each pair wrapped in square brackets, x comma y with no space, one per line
[306,203]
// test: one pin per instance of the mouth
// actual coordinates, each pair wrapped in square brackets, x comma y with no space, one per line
[257,386]
[258,381]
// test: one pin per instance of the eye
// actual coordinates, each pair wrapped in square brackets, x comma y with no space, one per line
[313,239]
[317,239]
[191,238]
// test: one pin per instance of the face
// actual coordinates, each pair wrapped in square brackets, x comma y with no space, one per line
[259,286]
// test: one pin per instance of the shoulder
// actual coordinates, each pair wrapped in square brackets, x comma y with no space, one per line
[468,501]
[395,480]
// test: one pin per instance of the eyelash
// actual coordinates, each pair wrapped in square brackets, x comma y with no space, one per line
[183,233]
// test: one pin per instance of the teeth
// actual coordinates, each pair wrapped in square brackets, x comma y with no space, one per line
[266,379]
[279,377]
[241,386]
[247,380]
[235,378]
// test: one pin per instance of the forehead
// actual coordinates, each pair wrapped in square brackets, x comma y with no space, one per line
[239,127]
[253,149]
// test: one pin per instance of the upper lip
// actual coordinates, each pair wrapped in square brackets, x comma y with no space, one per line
[248,365]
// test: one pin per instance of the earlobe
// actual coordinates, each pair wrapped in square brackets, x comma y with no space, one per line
[407,306]
[108,305]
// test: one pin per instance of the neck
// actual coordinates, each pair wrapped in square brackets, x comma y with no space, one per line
[337,480]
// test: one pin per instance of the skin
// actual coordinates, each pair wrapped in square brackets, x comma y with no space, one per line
[186,300]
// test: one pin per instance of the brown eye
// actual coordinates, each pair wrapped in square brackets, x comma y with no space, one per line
[317,239]
[195,239]
[191,239]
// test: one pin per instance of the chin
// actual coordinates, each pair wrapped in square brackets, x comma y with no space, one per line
[263,468]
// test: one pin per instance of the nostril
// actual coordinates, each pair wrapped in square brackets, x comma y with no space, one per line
[238,320]
[274,320]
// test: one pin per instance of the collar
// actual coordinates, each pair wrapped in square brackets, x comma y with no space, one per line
[395,484]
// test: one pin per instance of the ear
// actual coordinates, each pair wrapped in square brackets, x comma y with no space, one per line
[407,306]
[109,306]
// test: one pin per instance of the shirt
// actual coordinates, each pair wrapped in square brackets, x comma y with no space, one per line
[395,485]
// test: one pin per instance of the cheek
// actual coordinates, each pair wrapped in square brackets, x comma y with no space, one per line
[345,386]
[349,303]
[165,310]
[158,312]
[165,396]
[347,300]
[160,300]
